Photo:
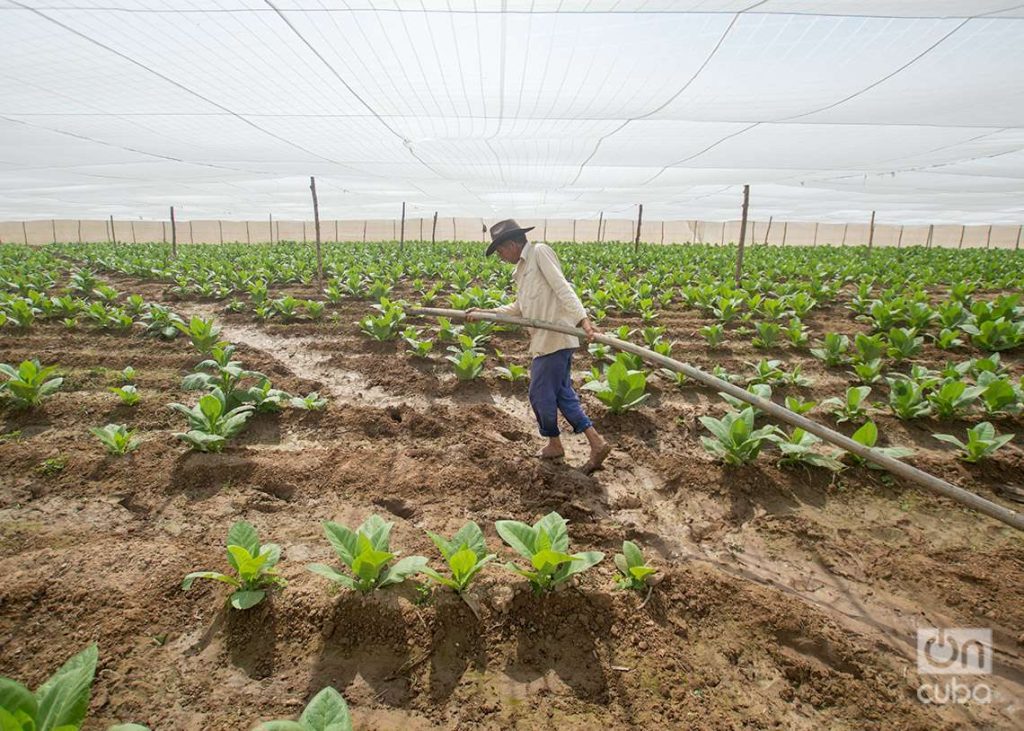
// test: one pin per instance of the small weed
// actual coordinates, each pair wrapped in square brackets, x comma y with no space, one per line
[52,466]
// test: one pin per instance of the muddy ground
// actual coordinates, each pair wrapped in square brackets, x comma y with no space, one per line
[788,598]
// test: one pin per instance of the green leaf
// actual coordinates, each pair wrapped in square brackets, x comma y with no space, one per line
[640,572]
[186,584]
[15,722]
[244,534]
[64,699]
[406,567]
[16,697]
[546,560]
[247,599]
[867,434]
[519,536]
[583,561]
[344,541]
[554,525]
[327,712]
[462,562]
[329,573]
[632,552]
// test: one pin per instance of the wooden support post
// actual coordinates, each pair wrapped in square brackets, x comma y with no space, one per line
[304,231]
[401,240]
[574,230]
[420,239]
[364,230]
[600,222]
[961,244]
[785,230]
[316,220]
[270,233]
[899,241]
[663,232]
[743,234]
[455,230]
[220,228]
[132,223]
[79,230]
[769,229]
[871,231]
[53,228]
[336,239]
[248,235]
[846,228]
[988,237]
[433,230]
[113,233]
[545,229]
[24,232]
[1017,246]
[722,238]
[174,236]
[191,239]
[815,243]
[163,232]
[639,225]
[931,232]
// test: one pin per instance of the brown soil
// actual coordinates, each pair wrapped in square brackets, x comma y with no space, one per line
[789,598]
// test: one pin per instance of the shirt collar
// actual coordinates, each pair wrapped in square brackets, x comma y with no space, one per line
[525,253]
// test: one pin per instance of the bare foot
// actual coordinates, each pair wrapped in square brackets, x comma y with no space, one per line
[598,454]
[550,452]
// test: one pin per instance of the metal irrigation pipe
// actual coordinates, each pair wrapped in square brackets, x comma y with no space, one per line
[898,468]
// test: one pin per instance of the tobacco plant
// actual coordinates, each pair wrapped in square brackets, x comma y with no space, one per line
[211,423]
[28,384]
[735,441]
[366,553]
[621,389]
[982,442]
[254,565]
[634,573]
[867,435]
[850,408]
[465,555]
[326,712]
[545,545]
[117,438]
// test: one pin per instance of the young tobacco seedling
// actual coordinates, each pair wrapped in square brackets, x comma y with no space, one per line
[714,334]
[621,389]
[513,372]
[129,395]
[852,408]
[468,363]
[253,563]
[982,442]
[868,436]
[907,400]
[366,553]
[265,398]
[117,438]
[797,405]
[868,372]
[833,350]
[735,440]
[204,334]
[28,384]
[326,712]
[59,704]
[310,402]
[211,423]
[128,375]
[545,545]
[466,554]
[798,448]
[761,390]
[634,572]
[953,398]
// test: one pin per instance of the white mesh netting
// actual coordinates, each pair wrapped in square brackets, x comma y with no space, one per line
[531,108]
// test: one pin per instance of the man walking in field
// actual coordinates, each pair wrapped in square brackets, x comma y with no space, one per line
[543,293]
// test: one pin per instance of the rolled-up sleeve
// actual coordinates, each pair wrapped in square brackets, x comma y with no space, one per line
[512,308]
[547,262]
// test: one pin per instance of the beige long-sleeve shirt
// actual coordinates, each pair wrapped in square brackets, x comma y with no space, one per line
[543,293]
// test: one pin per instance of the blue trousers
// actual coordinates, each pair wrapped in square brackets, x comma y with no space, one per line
[551,391]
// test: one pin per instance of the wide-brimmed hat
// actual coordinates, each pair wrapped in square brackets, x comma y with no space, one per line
[502,231]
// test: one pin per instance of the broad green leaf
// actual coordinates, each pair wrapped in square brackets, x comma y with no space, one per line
[64,699]
[472,538]
[866,435]
[583,561]
[408,566]
[186,584]
[632,552]
[244,534]
[247,599]
[378,531]
[18,721]
[16,697]
[640,572]
[450,583]
[343,540]
[326,711]
[547,561]
[367,565]
[519,536]
[621,564]
[462,562]
[442,544]
[328,573]
[554,525]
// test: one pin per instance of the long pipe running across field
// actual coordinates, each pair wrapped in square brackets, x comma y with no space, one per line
[898,468]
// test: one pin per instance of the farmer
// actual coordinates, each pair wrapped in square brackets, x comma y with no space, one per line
[545,294]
